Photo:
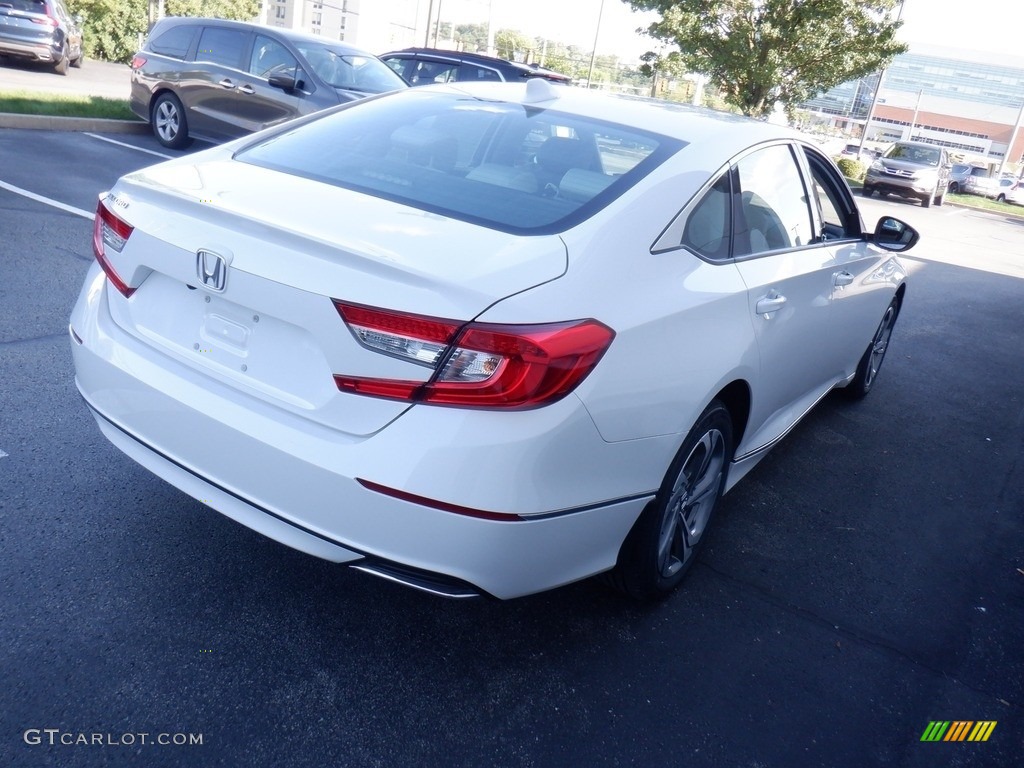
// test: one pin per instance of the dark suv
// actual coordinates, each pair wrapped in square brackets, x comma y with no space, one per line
[217,80]
[41,30]
[420,66]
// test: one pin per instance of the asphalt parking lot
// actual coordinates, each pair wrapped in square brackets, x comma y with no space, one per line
[865,580]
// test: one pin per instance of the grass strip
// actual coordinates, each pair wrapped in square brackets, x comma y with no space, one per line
[64,105]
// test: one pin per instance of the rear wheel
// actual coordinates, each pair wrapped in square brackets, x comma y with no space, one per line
[168,121]
[1000,198]
[926,201]
[867,191]
[664,542]
[77,63]
[61,67]
[940,197]
[871,363]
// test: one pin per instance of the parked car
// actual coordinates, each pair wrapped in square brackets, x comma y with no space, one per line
[422,66]
[958,175]
[910,169]
[482,339]
[990,186]
[1015,194]
[43,31]
[218,80]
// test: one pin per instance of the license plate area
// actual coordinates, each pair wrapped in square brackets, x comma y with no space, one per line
[247,346]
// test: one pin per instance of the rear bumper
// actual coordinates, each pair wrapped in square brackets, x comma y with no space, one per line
[39,51]
[297,482]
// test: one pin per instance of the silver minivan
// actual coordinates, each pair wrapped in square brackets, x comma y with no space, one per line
[217,80]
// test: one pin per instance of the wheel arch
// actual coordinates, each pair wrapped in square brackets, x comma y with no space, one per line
[735,396]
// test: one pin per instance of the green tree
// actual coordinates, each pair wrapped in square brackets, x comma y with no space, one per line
[473,37]
[510,42]
[239,10]
[113,28]
[761,52]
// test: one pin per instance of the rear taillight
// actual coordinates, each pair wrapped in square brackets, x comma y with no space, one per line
[48,21]
[484,365]
[138,62]
[110,232]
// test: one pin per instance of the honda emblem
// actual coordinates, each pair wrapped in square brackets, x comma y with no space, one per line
[212,269]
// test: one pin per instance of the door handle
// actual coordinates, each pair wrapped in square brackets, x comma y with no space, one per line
[226,83]
[770,303]
[839,279]
[246,89]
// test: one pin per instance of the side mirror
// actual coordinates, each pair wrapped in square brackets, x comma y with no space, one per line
[894,235]
[284,81]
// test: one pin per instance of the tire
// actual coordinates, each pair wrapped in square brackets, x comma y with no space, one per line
[954,187]
[1001,198]
[61,67]
[167,118]
[871,362]
[926,201]
[940,199]
[658,551]
[77,63]
[867,191]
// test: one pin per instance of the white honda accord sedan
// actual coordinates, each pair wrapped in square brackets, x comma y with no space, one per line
[482,340]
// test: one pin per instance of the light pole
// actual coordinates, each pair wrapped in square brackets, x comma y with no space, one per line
[874,99]
[593,54]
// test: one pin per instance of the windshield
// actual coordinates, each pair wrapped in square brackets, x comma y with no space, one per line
[913,154]
[498,164]
[351,71]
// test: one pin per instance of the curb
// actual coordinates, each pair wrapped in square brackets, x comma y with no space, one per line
[53,123]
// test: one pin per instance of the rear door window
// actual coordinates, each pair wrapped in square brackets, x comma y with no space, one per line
[773,206]
[222,46]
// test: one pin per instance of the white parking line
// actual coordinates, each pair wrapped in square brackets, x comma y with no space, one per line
[131,146]
[47,201]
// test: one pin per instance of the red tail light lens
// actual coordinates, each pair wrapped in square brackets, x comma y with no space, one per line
[482,365]
[138,62]
[49,21]
[108,231]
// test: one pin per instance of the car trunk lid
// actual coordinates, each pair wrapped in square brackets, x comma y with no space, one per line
[284,246]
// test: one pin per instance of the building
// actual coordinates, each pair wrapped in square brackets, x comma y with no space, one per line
[371,24]
[970,102]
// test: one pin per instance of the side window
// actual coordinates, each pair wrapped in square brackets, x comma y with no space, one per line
[270,57]
[837,221]
[398,65]
[773,208]
[175,42]
[222,46]
[473,73]
[434,72]
[707,226]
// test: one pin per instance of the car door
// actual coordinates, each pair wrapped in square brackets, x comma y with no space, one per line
[260,104]
[214,106]
[861,289]
[789,290]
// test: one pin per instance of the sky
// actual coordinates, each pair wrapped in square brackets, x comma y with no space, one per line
[994,26]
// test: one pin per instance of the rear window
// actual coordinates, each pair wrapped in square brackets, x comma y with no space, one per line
[28,6]
[175,42]
[506,166]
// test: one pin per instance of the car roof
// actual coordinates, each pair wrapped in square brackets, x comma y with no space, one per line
[731,132]
[287,34]
[478,58]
